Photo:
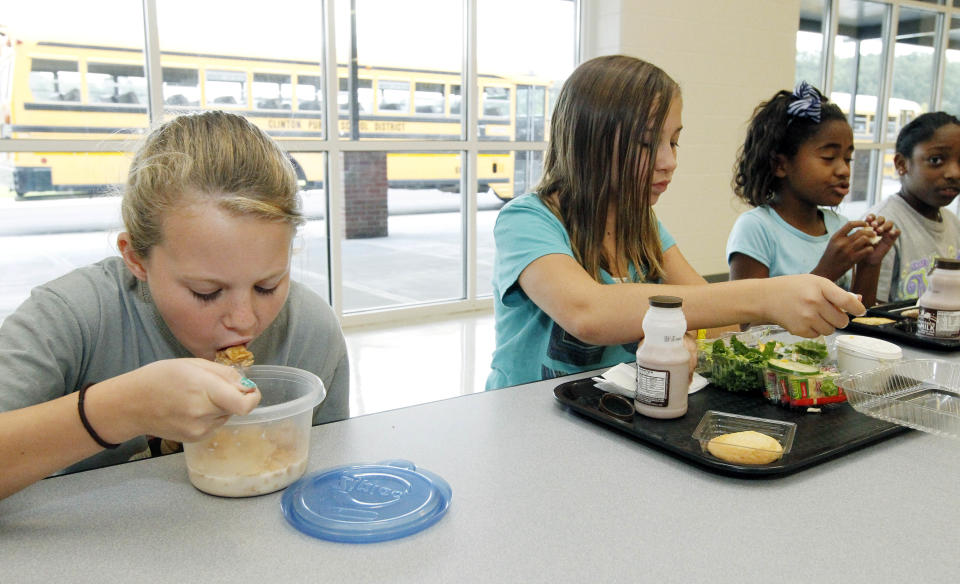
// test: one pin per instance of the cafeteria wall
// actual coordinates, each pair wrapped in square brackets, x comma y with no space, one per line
[727,55]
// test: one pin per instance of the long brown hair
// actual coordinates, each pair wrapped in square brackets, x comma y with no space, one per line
[610,112]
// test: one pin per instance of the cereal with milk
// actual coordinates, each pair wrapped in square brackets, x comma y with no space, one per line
[245,460]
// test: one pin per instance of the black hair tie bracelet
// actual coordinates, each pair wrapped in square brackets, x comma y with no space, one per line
[86,423]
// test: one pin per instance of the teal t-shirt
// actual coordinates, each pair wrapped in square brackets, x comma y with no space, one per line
[530,345]
[763,235]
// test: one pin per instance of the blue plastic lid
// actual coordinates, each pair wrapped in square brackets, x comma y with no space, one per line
[365,503]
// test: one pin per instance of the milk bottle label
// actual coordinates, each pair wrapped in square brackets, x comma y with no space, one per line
[652,386]
[942,324]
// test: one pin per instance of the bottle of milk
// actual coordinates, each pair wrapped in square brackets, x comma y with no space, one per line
[940,304]
[663,362]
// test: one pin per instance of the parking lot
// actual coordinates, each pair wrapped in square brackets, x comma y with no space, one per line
[420,260]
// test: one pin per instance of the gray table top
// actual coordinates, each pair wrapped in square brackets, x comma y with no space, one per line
[539,495]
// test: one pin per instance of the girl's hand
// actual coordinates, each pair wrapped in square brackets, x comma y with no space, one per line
[182,399]
[847,247]
[888,234]
[808,305]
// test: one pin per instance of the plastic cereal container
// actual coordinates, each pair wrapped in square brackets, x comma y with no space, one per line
[265,450]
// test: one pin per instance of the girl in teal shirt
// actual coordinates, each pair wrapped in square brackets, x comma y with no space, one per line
[577,260]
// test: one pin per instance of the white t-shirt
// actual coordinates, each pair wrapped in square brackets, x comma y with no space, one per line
[763,235]
[903,273]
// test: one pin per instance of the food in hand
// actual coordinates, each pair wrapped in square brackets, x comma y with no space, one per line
[873,320]
[749,447]
[237,355]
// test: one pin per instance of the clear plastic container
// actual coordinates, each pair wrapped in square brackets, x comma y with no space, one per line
[715,424]
[265,450]
[923,394]
[793,384]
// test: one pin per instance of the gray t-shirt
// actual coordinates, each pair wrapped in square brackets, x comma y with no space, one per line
[99,321]
[903,273]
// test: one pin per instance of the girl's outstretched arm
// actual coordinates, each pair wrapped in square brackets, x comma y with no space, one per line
[179,399]
[600,314]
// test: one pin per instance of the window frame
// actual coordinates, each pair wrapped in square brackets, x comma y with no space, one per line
[469,144]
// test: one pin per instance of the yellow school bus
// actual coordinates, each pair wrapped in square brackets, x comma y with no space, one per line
[70,91]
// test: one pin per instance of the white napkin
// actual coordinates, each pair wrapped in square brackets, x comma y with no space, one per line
[622,379]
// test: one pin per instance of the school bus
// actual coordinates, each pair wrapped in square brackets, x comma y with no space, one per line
[900,112]
[70,91]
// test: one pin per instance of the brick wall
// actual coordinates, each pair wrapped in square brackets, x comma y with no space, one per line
[365,194]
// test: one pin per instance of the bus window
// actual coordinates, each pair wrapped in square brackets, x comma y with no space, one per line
[861,124]
[393,96]
[54,80]
[271,91]
[530,121]
[116,83]
[428,98]
[454,100]
[364,95]
[309,92]
[496,102]
[226,88]
[181,87]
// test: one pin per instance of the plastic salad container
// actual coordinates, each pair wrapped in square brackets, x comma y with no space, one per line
[923,394]
[265,450]
[788,370]
[794,384]
[856,353]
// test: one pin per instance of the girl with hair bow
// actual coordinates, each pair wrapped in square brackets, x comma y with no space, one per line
[793,165]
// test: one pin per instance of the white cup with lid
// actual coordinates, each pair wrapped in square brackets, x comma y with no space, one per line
[856,353]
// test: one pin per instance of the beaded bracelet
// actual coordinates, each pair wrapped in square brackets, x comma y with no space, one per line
[86,423]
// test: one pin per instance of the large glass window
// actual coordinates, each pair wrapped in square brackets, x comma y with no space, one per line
[950,96]
[400,56]
[858,64]
[810,41]
[914,67]
[886,65]
[403,230]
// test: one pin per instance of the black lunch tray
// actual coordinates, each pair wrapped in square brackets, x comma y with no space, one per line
[904,330]
[837,430]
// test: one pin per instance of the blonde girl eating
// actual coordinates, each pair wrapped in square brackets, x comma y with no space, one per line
[97,361]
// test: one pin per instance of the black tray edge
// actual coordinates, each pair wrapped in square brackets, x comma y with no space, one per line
[771,471]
